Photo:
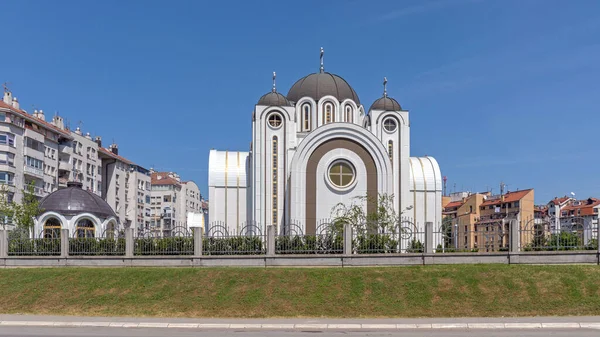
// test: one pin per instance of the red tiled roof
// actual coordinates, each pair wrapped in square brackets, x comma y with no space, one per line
[34,119]
[585,207]
[164,180]
[508,197]
[453,204]
[559,201]
[116,156]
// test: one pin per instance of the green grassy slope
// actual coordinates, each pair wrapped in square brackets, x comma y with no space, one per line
[429,291]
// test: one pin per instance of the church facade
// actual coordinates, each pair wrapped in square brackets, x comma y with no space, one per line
[318,146]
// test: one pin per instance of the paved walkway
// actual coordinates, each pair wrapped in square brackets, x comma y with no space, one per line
[306,324]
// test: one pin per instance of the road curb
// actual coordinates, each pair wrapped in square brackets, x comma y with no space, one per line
[305,326]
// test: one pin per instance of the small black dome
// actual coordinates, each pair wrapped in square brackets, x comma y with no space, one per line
[318,85]
[386,103]
[74,200]
[273,99]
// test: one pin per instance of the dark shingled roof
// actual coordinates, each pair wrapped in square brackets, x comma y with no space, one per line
[273,99]
[318,85]
[74,200]
[386,103]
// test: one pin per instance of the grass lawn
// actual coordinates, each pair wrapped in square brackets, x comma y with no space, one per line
[423,291]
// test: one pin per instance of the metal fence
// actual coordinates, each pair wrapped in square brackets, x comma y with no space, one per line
[556,234]
[482,235]
[403,236]
[111,243]
[181,242]
[21,244]
[329,239]
[218,241]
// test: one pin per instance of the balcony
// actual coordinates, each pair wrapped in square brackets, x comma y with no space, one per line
[64,165]
[37,191]
[65,149]
[32,171]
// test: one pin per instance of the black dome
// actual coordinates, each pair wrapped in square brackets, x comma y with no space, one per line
[386,103]
[273,99]
[75,200]
[318,85]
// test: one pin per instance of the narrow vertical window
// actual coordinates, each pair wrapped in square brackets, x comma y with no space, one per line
[348,116]
[275,163]
[328,114]
[391,151]
[306,117]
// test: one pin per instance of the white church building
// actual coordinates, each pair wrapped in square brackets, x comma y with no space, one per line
[318,146]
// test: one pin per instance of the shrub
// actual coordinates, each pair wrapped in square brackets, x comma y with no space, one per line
[235,245]
[164,246]
[310,244]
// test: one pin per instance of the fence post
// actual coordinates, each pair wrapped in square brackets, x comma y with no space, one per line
[3,243]
[129,244]
[597,237]
[64,242]
[271,240]
[347,239]
[429,244]
[514,234]
[197,241]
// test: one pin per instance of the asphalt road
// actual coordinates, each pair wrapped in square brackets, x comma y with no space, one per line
[118,332]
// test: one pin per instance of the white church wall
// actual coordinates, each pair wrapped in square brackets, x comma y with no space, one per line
[327,194]
[227,188]
[426,190]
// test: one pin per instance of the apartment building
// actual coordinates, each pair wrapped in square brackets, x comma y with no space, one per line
[493,225]
[86,165]
[577,216]
[49,155]
[126,188]
[29,150]
[171,202]
[190,201]
[460,216]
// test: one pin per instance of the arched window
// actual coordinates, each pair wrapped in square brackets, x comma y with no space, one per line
[328,116]
[306,117]
[85,229]
[275,179]
[348,113]
[391,151]
[52,228]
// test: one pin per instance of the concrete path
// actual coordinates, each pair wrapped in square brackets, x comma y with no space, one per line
[146,332]
[542,323]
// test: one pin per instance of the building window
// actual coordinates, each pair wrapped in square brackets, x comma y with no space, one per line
[306,117]
[389,124]
[275,179]
[6,178]
[7,158]
[349,117]
[7,139]
[52,228]
[85,229]
[391,150]
[328,113]
[35,163]
[275,120]
[341,174]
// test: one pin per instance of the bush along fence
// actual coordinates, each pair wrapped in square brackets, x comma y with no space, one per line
[491,237]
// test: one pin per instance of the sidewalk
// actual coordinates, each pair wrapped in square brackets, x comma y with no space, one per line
[307,323]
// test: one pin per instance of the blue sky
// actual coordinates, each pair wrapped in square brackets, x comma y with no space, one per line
[498,90]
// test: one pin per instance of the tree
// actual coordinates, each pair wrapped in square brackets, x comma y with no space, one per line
[6,207]
[27,210]
[383,219]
